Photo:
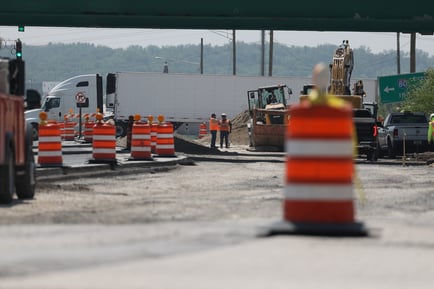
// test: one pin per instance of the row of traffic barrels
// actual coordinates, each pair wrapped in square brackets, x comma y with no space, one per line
[147,138]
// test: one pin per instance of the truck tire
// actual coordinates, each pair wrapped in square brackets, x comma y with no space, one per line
[121,129]
[7,175]
[372,156]
[35,131]
[390,150]
[380,153]
[25,181]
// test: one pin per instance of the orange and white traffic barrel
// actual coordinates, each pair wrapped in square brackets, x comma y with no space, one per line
[68,129]
[50,145]
[140,140]
[165,140]
[154,133]
[202,130]
[318,194]
[88,130]
[104,142]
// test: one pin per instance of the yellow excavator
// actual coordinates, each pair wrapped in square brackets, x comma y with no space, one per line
[268,108]
[364,113]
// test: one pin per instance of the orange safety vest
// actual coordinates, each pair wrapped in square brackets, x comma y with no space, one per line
[213,124]
[224,125]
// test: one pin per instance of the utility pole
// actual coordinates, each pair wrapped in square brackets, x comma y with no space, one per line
[270,58]
[412,52]
[234,54]
[262,52]
[201,56]
[398,54]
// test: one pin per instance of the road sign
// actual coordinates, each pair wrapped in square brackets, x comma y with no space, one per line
[393,88]
[80,97]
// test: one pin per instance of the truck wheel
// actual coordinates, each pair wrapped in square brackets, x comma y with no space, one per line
[35,131]
[390,150]
[372,156]
[25,182]
[121,129]
[379,151]
[7,174]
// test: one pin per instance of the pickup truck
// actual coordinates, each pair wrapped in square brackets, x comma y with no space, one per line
[403,132]
[366,127]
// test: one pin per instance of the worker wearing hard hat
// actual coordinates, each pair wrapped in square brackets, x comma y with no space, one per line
[431,130]
[213,128]
[225,127]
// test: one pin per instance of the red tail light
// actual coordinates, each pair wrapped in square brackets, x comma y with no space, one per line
[395,132]
[375,132]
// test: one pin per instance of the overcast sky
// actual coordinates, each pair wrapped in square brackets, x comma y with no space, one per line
[122,38]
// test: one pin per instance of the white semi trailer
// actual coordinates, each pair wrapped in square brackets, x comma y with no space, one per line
[186,100]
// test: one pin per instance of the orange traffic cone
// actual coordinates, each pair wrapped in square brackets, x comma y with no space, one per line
[202,130]
[103,142]
[50,145]
[140,140]
[165,140]
[88,130]
[318,196]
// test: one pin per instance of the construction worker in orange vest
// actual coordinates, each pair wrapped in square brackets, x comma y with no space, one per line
[225,127]
[213,128]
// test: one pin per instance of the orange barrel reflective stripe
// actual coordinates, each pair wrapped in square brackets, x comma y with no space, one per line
[88,131]
[165,140]
[50,145]
[141,141]
[104,142]
[318,194]
[202,130]
[154,132]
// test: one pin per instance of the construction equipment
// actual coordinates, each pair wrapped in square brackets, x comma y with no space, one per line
[364,114]
[341,69]
[268,108]
[17,165]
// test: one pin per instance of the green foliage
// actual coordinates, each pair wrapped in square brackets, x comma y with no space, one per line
[56,62]
[420,96]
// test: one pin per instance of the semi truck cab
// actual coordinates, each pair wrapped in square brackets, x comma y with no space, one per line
[64,97]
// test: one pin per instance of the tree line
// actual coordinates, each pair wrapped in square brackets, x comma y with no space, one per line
[57,62]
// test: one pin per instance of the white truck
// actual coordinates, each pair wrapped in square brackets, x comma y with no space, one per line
[186,100]
[83,92]
[403,132]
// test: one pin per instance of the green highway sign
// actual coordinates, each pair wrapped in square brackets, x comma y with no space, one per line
[393,88]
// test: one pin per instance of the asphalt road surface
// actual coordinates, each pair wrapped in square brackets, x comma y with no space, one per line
[196,225]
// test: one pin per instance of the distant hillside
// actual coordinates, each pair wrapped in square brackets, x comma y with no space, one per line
[56,62]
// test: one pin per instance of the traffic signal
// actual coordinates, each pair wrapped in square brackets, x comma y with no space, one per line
[21,28]
[16,77]
[18,49]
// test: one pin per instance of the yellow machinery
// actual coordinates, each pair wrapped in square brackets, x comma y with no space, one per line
[268,116]
[364,114]
[340,77]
